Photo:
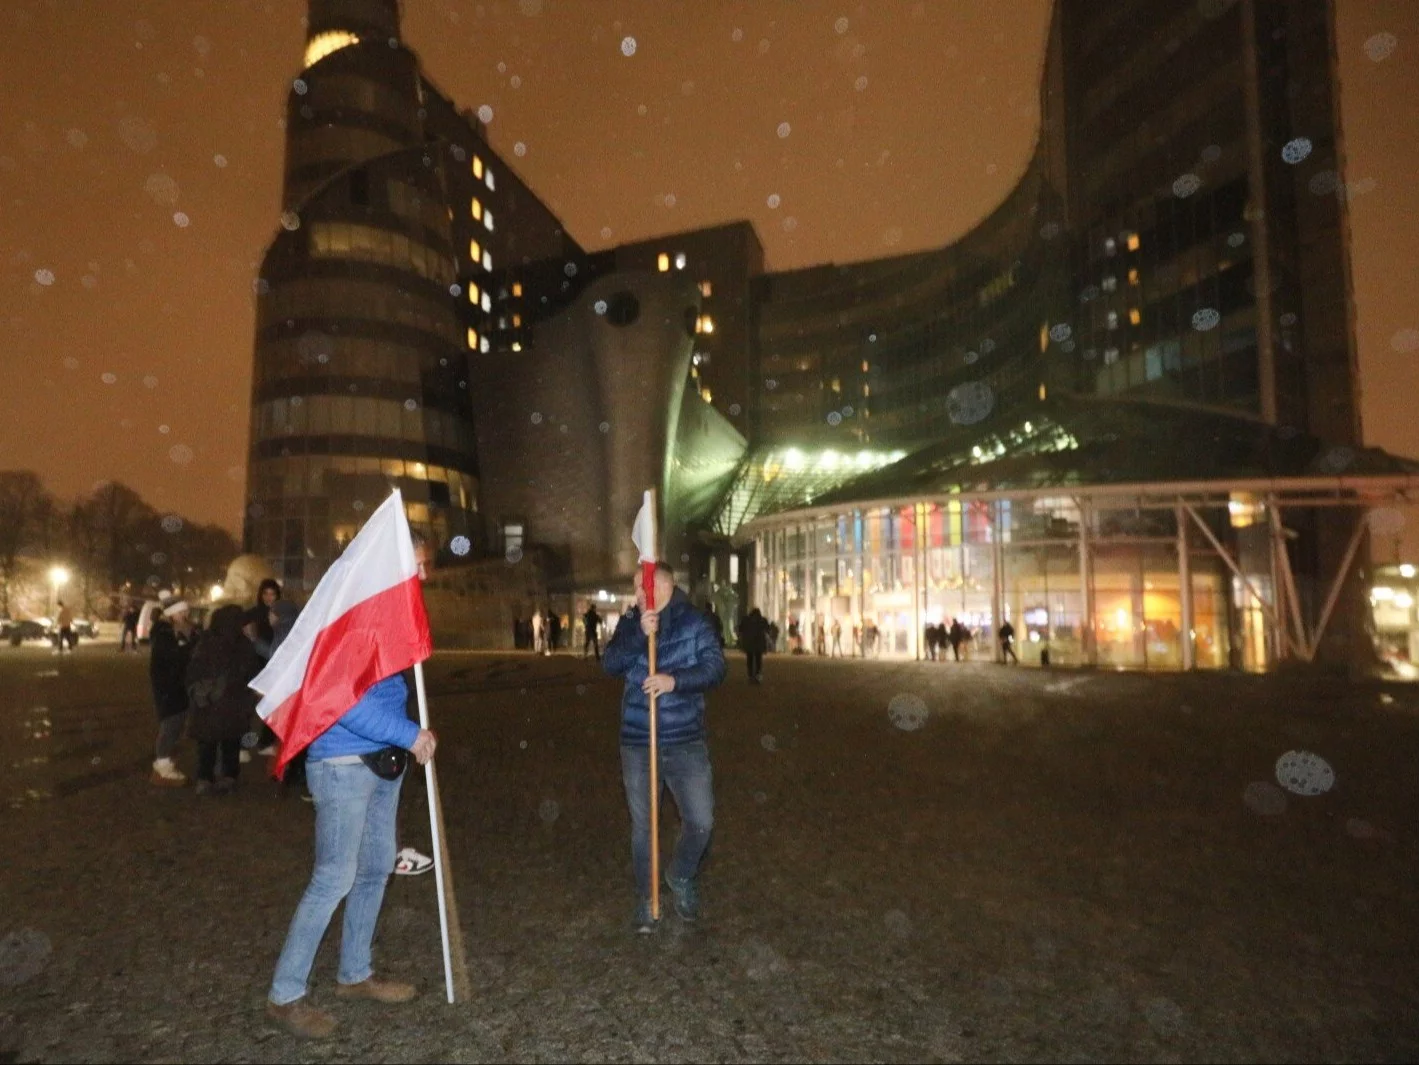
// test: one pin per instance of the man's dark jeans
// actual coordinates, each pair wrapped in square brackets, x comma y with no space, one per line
[755,661]
[685,770]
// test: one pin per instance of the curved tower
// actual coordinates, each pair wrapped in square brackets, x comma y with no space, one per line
[361,379]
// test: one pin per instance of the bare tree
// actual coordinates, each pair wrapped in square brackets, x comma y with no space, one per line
[24,504]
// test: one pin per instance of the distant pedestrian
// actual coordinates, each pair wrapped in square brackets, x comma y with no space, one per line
[259,629]
[591,623]
[957,636]
[820,636]
[220,704]
[929,637]
[64,626]
[856,639]
[837,638]
[773,636]
[1007,643]
[554,631]
[689,663]
[539,633]
[128,637]
[754,639]
[171,640]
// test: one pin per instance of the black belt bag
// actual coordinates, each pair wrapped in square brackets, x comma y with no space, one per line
[388,763]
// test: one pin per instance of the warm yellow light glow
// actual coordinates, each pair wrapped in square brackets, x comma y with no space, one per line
[473,339]
[1407,571]
[517,321]
[1133,242]
[793,459]
[1403,600]
[706,289]
[1135,315]
[517,288]
[477,208]
[475,250]
[58,576]
[662,262]
[477,167]
[473,294]
[215,593]
[1381,594]
[327,43]
[1044,392]
[705,395]
[707,324]
[516,346]
[1133,277]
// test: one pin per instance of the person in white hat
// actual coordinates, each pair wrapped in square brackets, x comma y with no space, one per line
[172,640]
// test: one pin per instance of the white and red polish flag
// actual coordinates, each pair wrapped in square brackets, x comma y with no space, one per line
[365,622]
[643,536]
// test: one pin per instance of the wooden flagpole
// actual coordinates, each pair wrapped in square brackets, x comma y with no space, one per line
[455,958]
[654,739]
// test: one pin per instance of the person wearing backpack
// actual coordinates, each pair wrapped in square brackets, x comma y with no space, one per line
[220,704]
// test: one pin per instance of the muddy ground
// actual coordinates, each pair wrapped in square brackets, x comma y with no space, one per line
[1039,866]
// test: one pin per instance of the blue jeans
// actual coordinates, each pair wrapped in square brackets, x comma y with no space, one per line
[354,858]
[685,770]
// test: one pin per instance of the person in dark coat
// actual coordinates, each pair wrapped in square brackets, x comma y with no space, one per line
[554,631]
[689,663]
[1007,643]
[171,641]
[754,639]
[591,624]
[220,704]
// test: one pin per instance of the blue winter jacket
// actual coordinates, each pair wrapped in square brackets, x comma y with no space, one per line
[377,721]
[687,649]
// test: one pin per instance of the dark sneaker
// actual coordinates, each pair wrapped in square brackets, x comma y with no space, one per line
[687,897]
[643,922]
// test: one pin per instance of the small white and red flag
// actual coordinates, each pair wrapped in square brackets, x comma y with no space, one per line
[365,622]
[643,536]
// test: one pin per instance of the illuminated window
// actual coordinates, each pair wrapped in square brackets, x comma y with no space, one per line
[1113,319]
[837,385]
[517,321]
[1110,246]
[1109,284]
[477,167]
[484,345]
[864,365]
[502,321]
[1044,337]
[488,221]
[487,302]
[488,261]
[680,260]
[473,294]
[327,43]
[517,288]
[706,395]
[705,324]
[706,289]
[662,262]
[1133,277]
[477,208]
[488,179]
[473,339]
[867,390]
[475,250]
[1043,391]
[1135,315]
[1133,242]
[516,346]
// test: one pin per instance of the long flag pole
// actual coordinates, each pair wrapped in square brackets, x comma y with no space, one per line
[654,738]
[451,931]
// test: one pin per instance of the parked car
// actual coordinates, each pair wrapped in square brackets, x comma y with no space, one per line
[17,632]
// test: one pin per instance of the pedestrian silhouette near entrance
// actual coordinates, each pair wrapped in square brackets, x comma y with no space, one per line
[754,638]
[1007,643]
[591,622]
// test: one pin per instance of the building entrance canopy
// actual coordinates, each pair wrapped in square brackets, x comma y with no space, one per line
[1106,532]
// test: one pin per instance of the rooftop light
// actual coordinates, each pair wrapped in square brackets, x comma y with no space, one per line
[327,43]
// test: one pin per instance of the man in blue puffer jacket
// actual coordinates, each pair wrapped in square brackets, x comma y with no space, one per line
[689,662]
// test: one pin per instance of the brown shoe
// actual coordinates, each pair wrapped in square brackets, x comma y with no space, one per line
[388,991]
[302,1019]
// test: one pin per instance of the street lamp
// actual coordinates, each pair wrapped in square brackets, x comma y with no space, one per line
[58,578]
[216,592]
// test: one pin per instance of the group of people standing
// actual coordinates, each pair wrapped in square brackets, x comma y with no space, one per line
[941,636]
[199,680]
